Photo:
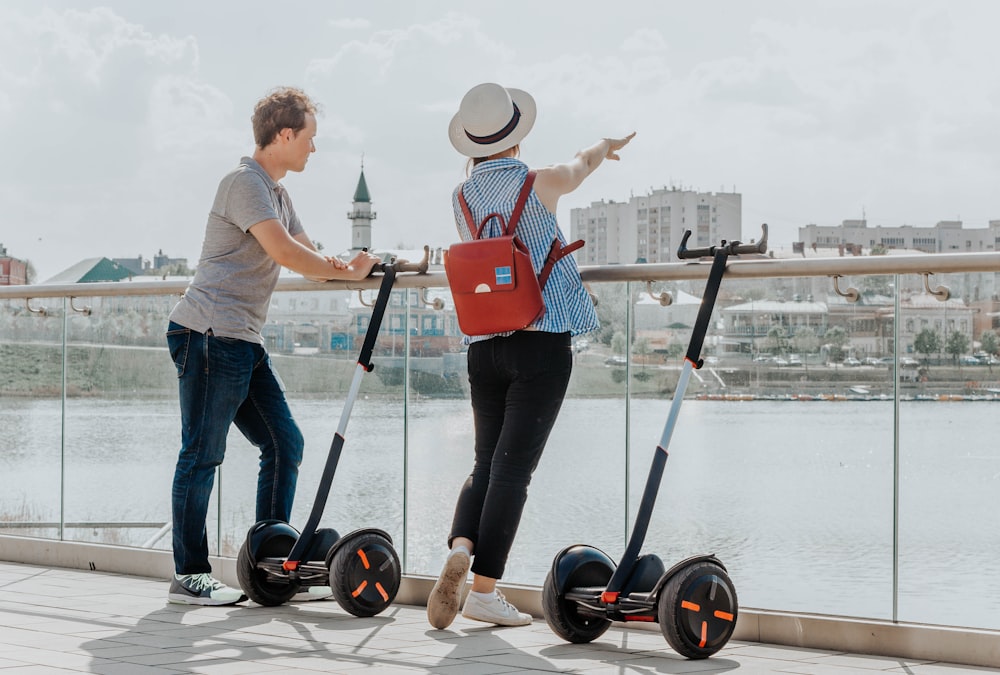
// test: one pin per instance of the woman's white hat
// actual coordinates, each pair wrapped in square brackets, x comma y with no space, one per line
[491,119]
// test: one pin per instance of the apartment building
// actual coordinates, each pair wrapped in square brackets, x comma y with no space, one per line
[649,228]
[947,236]
[13,272]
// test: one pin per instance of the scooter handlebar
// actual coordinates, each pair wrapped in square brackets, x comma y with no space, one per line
[731,247]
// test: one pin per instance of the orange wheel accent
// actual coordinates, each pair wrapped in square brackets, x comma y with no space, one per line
[704,634]
[725,616]
[364,559]
[359,589]
[378,587]
[685,604]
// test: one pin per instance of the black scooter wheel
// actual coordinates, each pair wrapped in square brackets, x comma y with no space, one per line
[697,610]
[563,618]
[364,573]
[254,581]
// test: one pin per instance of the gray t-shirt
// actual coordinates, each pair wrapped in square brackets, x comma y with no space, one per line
[232,286]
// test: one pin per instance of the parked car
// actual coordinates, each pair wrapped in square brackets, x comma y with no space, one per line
[969,361]
[616,360]
[871,361]
[794,360]
[851,362]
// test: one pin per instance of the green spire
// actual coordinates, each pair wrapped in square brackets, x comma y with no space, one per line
[361,194]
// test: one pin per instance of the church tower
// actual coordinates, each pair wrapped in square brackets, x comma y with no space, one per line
[361,216]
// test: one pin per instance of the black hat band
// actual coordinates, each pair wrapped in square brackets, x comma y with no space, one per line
[500,135]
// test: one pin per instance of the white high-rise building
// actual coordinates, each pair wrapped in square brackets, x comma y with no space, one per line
[649,228]
[947,236]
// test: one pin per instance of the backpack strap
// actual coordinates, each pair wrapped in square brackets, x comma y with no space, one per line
[508,227]
[556,253]
[467,212]
[522,199]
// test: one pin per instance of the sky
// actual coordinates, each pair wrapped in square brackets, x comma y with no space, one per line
[121,118]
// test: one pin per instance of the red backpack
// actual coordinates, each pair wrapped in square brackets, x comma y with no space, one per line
[493,283]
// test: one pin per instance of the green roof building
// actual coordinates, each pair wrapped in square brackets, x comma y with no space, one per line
[91,270]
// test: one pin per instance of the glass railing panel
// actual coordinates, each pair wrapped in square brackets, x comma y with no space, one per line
[949,460]
[369,486]
[122,421]
[314,341]
[30,418]
[439,431]
[781,459]
[577,494]
[781,463]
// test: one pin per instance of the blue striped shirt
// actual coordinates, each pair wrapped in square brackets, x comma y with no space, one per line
[493,186]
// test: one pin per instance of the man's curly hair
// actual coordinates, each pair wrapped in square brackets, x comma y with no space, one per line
[282,108]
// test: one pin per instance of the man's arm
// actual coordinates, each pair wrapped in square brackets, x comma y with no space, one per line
[304,239]
[301,257]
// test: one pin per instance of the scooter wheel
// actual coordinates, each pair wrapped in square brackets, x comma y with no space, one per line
[697,610]
[364,573]
[563,618]
[254,581]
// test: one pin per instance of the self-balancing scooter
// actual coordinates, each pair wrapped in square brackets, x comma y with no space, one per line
[362,568]
[694,601]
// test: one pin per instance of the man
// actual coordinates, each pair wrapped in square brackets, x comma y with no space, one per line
[223,370]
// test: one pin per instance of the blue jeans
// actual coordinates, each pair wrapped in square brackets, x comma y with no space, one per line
[222,381]
[518,384]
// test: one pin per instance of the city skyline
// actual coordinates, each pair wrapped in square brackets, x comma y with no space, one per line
[123,118]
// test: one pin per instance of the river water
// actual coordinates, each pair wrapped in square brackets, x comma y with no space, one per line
[796,498]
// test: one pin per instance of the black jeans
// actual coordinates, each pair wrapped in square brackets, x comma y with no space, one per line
[518,384]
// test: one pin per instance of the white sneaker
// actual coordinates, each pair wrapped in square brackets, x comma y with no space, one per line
[494,610]
[313,593]
[442,604]
[202,589]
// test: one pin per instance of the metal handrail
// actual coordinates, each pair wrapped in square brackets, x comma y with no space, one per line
[81,525]
[936,263]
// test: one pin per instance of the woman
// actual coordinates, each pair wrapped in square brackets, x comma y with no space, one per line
[518,380]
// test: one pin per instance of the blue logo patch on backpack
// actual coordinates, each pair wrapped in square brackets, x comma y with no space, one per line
[503,276]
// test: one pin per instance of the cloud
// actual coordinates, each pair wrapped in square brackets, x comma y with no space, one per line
[82,79]
[86,47]
[112,114]
[386,51]
[645,40]
[190,117]
[350,24]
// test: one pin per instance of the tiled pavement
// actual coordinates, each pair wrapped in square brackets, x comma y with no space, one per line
[70,621]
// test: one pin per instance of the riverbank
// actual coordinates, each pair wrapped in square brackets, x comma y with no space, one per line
[35,370]
[851,396]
